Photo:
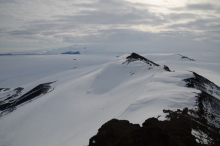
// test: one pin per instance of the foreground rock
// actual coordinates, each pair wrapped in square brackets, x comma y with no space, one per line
[178,130]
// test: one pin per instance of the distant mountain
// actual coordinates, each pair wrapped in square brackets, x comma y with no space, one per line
[62,50]
[5,54]
[71,52]
[185,57]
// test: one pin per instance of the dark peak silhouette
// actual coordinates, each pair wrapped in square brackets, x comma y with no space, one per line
[135,57]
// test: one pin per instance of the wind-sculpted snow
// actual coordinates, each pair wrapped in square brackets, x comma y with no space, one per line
[116,73]
[15,98]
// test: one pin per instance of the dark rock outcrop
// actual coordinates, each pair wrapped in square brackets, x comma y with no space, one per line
[201,83]
[153,133]
[9,103]
[4,89]
[113,133]
[207,102]
[208,107]
[135,57]
[175,131]
[167,68]
[185,57]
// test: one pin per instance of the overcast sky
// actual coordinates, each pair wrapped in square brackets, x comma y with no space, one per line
[113,24]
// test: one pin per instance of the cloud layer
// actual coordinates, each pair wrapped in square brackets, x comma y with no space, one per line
[110,22]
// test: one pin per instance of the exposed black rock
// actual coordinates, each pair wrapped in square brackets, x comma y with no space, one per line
[201,83]
[177,130]
[135,57]
[185,57]
[112,133]
[167,68]
[9,103]
[207,134]
[207,101]
[4,89]
[18,90]
[71,52]
[208,107]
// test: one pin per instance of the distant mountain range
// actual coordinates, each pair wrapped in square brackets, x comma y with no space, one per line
[71,52]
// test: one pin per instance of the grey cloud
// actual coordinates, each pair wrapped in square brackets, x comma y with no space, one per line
[7,1]
[109,14]
[23,32]
[208,28]
[202,24]
[197,6]
[205,6]
[111,22]
[181,16]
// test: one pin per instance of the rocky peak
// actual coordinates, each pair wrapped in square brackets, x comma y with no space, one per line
[136,57]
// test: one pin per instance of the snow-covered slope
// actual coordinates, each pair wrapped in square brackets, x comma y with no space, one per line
[23,69]
[85,98]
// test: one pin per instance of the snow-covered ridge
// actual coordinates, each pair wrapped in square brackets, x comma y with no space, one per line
[93,95]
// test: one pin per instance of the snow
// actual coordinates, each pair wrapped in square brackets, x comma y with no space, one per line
[86,97]
[201,137]
[22,69]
